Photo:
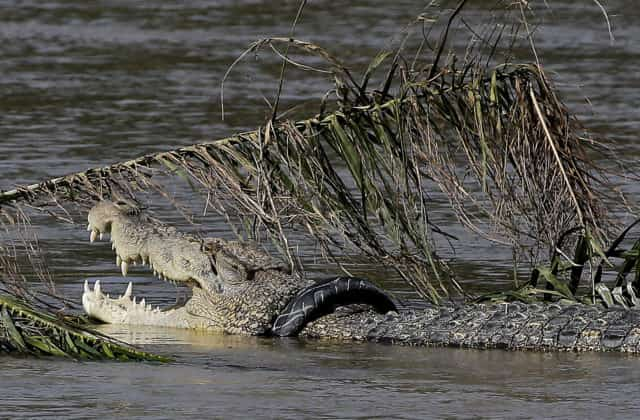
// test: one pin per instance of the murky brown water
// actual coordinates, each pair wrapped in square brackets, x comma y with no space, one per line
[85,84]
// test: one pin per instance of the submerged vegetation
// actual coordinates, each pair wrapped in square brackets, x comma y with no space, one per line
[28,331]
[490,134]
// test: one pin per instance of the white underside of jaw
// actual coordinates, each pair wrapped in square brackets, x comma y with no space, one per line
[114,310]
[127,310]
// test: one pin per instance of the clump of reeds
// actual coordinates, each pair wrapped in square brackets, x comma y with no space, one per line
[564,274]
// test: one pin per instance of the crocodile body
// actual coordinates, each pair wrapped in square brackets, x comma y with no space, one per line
[513,326]
[239,289]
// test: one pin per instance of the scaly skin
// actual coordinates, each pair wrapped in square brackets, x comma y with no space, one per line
[241,290]
[513,326]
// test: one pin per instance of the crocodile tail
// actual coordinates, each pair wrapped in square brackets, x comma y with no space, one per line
[324,297]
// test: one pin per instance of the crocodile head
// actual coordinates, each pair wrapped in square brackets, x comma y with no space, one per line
[236,288]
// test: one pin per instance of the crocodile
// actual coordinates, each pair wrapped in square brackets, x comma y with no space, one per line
[237,288]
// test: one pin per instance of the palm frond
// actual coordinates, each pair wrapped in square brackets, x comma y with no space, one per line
[495,139]
[26,330]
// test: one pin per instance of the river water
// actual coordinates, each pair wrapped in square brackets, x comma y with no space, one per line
[84,84]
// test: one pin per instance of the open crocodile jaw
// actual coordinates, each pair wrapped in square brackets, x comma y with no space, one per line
[173,257]
[259,296]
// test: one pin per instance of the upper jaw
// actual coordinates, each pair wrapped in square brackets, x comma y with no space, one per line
[127,256]
[131,250]
[175,258]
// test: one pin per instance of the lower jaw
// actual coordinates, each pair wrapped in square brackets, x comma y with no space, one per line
[128,309]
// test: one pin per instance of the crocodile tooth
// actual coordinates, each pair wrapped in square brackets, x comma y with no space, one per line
[129,291]
[101,235]
[93,235]
[124,267]
[86,286]
[143,303]
[97,288]
[134,262]
[134,300]
[118,260]
[113,247]
[89,227]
